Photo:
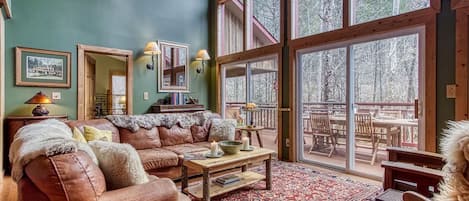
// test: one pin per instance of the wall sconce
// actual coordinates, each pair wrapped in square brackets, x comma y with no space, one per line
[152,49]
[202,55]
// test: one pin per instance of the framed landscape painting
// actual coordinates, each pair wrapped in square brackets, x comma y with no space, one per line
[42,68]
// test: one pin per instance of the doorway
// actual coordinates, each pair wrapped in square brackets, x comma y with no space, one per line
[358,97]
[104,81]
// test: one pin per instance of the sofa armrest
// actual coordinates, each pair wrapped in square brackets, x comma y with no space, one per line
[156,190]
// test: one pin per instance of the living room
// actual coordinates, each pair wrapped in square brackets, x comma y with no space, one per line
[274,99]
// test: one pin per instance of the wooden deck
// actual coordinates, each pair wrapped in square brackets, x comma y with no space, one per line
[363,155]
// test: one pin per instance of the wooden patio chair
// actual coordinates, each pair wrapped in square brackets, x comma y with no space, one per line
[364,131]
[321,130]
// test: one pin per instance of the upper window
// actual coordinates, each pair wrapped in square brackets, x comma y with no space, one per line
[265,22]
[241,29]
[369,10]
[230,19]
[316,16]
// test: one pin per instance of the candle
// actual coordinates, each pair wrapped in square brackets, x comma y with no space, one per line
[214,148]
[245,141]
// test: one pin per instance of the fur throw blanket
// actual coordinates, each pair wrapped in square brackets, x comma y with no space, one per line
[455,149]
[148,121]
[47,138]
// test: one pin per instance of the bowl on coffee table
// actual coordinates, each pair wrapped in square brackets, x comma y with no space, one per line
[230,147]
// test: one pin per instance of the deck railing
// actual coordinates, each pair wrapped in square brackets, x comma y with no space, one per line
[267,114]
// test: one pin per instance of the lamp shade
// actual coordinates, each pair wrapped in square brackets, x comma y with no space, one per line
[152,48]
[202,55]
[39,98]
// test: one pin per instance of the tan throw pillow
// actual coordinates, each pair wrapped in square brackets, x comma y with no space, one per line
[92,133]
[119,163]
[78,136]
[222,129]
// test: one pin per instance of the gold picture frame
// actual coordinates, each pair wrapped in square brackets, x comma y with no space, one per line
[42,68]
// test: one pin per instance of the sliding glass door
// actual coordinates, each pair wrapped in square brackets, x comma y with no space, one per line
[254,81]
[357,98]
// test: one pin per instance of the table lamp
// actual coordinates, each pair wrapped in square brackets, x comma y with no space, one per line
[40,99]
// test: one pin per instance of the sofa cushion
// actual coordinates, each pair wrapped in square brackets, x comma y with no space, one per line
[102,124]
[175,135]
[203,144]
[186,148]
[199,133]
[142,139]
[157,158]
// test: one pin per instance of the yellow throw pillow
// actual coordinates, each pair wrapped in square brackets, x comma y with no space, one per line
[78,136]
[92,133]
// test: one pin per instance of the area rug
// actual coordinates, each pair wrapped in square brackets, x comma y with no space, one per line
[295,182]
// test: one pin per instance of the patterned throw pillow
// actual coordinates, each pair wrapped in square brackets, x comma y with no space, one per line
[222,129]
[92,133]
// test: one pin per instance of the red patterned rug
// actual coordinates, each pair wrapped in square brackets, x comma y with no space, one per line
[295,182]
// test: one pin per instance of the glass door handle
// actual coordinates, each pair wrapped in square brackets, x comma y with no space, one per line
[282,109]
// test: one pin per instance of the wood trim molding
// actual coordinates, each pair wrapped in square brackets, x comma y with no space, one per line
[430,86]
[462,52]
[7,7]
[374,27]
[458,4]
[82,49]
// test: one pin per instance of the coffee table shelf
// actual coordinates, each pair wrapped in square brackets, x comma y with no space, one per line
[247,178]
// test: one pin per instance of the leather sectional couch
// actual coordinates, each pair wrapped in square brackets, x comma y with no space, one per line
[75,177]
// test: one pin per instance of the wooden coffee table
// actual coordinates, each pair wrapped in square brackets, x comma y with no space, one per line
[207,189]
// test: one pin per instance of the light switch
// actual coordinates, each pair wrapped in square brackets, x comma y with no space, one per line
[56,96]
[451,91]
[145,95]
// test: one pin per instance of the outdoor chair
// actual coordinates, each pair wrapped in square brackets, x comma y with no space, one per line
[322,132]
[365,132]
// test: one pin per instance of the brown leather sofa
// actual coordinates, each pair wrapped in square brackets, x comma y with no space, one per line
[74,177]
[161,149]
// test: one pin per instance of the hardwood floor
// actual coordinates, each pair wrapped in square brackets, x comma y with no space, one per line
[9,191]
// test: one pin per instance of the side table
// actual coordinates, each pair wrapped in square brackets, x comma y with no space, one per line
[250,130]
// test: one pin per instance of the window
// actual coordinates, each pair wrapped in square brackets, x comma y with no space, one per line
[265,22]
[316,16]
[230,19]
[369,10]
[262,26]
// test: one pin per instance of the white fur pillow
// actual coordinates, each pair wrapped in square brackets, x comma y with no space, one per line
[222,129]
[120,164]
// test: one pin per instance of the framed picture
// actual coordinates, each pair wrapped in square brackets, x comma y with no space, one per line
[42,68]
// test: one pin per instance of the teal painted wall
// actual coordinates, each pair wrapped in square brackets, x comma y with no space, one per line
[62,24]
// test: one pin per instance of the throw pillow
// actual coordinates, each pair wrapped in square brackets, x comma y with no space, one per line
[222,129]
[78,136]
[92,133]
[120,164]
